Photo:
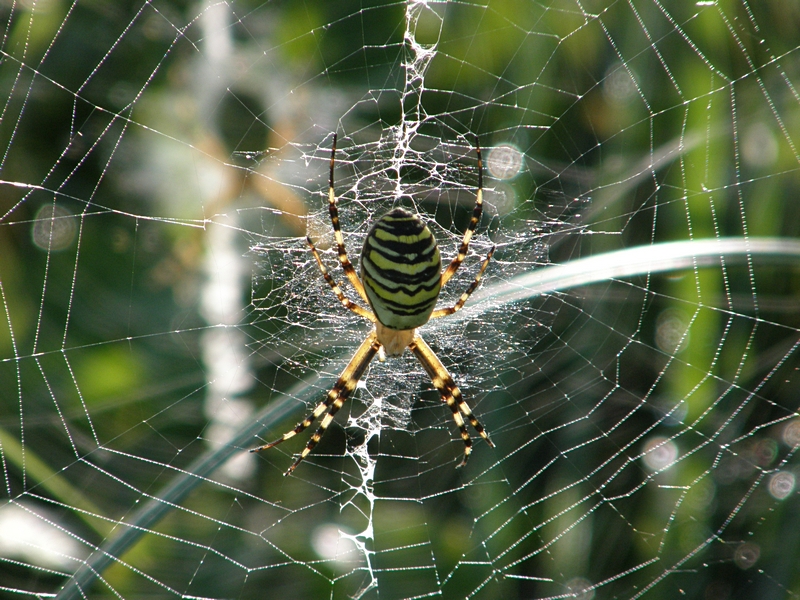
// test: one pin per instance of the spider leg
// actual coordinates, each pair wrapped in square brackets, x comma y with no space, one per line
[443,312]
[450,393]
[348,304]
[349,270]
[473,222]
[336,397]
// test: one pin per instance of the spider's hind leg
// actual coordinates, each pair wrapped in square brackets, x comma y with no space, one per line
[473,222]
[443,312]
[341,251]
[348,304]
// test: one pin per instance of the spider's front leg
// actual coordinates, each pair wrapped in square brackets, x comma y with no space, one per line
[341,390]
[451,395]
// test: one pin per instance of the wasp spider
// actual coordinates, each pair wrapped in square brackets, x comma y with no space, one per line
[401,276]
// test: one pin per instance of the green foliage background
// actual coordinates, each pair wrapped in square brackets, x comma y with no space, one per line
[103,102]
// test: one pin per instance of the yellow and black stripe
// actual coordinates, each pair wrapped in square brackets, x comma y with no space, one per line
[401,270]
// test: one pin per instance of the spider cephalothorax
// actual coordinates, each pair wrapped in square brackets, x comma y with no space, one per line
[401,276]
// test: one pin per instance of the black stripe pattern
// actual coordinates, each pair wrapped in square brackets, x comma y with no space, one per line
[401,270]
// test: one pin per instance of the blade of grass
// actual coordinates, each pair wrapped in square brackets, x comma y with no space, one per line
[669,256]
[40,475]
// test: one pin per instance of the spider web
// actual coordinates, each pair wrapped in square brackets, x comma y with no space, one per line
[632,350]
